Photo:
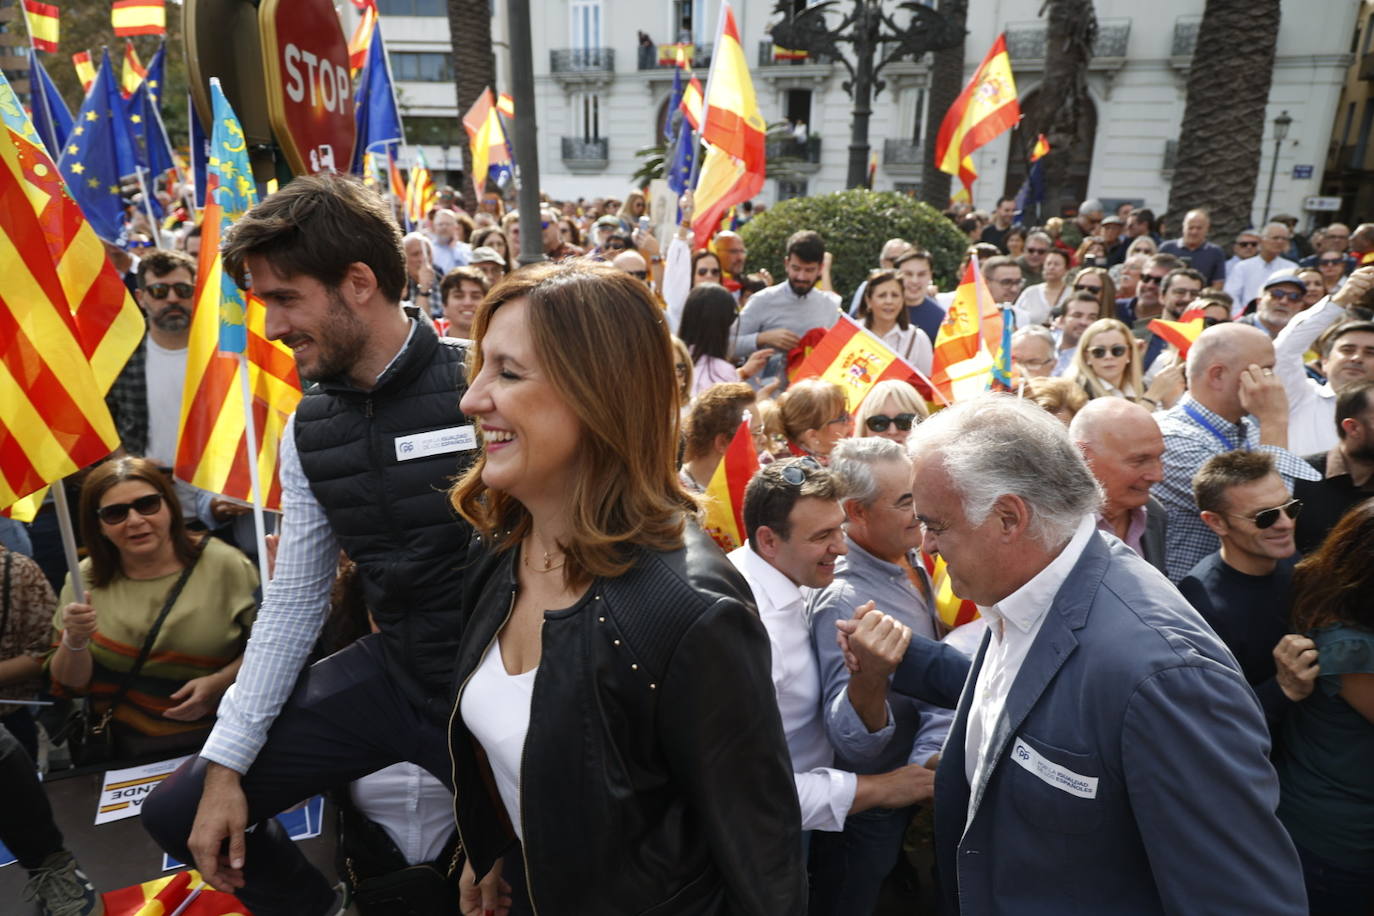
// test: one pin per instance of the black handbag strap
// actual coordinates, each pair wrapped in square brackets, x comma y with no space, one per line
[147,649]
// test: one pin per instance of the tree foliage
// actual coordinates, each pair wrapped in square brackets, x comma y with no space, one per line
[855,224]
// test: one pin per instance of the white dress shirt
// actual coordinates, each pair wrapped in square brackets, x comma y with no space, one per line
[1311,404]
[1246,281]
[825,794]
[1014,622]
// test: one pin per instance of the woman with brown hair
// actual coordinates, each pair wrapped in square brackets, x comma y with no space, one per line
[1325,759]
[883,311]
[616,743]
[814,417]
[145,576]
[1098,281]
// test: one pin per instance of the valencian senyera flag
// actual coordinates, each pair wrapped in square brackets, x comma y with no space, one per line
[724,515]
[229,182]
[67,322]
[854,359]
[987,107]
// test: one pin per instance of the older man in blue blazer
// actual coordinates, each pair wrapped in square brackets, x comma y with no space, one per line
[1107,755]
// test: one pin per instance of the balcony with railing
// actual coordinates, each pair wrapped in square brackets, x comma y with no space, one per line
[582,154]
[1027,41]
[770,55]
[582,66]
[800,155]
[903,157]
[1185,39]
[660,57]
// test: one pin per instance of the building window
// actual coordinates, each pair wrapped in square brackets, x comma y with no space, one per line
[1366,122]
[587,116]
[422,66]
[434,131]
[790,188]
[586,24]
[412,7]
[917,117]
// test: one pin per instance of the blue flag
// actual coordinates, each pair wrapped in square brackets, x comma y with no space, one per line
[1031,194]
[200,151]
[670,123]
[92,162]
[231,181]
[157,74]
[51,118]
[374,105]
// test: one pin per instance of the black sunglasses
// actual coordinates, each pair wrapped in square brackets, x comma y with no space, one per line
[638,274]
[160,290]
[1330,261]
[1085,288]
[1100,352]
[879,422]
[1289,294]
[796,472]
[1149,278]
[151,504]
[615,246]
[1265,518]
[1246,244]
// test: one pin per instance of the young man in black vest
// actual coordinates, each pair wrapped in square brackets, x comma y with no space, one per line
[364,469]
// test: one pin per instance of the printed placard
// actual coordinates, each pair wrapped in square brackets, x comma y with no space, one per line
[124,790]
[438,442]
[1046,770]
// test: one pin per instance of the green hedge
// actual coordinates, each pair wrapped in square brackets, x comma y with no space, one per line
[854,224]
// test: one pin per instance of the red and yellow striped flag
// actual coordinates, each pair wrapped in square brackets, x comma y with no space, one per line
[1182,333]
[987,107]
[691,104]
[1041,148]
[506,105]
[953,610]
[724,516]
[421,195]
[855,360]
[67,323]
[133,74]
[139,17]
[43,28]
[85,70]
[969,335]
[393,172]
[212,448]
[165,895]
[361,42]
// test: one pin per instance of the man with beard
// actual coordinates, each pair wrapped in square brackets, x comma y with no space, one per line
[145,400]
[1280,299]
[778,316]
[364,466]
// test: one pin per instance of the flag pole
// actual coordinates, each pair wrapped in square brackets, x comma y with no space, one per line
[64,525]
[250,433]
[148,207]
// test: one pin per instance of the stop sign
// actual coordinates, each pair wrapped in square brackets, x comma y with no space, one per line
[309,93]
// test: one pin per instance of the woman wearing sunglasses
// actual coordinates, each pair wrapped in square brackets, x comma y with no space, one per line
[1107,361]
[616,743]
[890,410]
[1326,782]
[814,417]
[144,565]
[884,313]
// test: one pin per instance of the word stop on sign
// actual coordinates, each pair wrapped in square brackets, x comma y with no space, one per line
[328,82]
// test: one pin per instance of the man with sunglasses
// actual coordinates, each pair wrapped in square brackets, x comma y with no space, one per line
[1347,356]
[1282,296]
[1032,260]
[1332,250]
[1193,249]
[1244,590]
[1147,304]
[145,399]
[1246,281]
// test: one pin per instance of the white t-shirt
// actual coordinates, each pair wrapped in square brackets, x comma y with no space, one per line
[166,374]
[411,805]
[496,709]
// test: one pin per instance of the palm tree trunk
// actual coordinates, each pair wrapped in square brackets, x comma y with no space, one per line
[1223,123]
[474,69]
[946,82]
[1071,31]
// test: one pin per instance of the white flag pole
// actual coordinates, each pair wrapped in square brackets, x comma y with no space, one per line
[250,433]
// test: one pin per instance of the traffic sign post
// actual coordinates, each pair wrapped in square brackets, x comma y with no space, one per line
[309,92]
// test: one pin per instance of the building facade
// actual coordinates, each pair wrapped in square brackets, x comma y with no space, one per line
[601,94]
[1349,179]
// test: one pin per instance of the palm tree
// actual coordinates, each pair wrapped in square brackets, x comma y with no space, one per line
[1070,33]
[474,69]
[1223,123]
[946,82]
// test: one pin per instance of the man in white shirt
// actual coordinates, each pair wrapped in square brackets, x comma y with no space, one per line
[1246,281]
[1347,357]
[449,250]
[1106,751]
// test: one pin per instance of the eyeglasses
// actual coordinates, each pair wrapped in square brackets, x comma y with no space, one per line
[708,271]
[638,274]
[615,246]
[1250,244]
[843,419]
[1008,281]
[1087,288]
[1151,279]
[1030,250]
[795,473]
[1208,322]
[879,422]
[1033,363]
[1101,352]
[151,504]
[1265,518]
[1330,261]
[160,290]
[1281,294]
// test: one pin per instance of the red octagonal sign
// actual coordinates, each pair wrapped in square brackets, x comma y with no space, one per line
[309,93]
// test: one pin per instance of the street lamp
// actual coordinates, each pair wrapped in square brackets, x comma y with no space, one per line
[1281,125]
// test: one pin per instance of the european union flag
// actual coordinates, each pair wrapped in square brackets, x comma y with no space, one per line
[51,118]
[157,74]
[98,153]
[374,105]
[231,181]
[200,151]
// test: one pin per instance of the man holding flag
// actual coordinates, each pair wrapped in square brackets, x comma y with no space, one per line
[364,463]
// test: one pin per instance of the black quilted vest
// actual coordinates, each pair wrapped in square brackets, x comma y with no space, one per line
[391,516]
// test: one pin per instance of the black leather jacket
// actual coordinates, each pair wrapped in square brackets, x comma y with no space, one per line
[655,777]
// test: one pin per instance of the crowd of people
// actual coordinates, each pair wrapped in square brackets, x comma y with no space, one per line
[516,657]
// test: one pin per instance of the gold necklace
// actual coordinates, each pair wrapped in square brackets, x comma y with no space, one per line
[548,562]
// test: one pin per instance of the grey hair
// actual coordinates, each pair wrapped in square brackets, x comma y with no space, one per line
[997,444]
[852,461]
[1091,205]
[1039,234]
[1037,331]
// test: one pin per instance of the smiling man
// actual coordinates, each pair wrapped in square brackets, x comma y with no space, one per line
[780,315]
[1125,449]
[1106,752]
[364,464]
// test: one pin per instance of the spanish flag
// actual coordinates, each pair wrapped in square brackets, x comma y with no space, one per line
[1182,333]
[85,70]
[692,103]
[733,131]
[987,107]
[139,17]
[67,324]
[184,893]
[133,74]
[1041,148]
[486,139]
[42,18]
[361,42]
[855,360]
[969,335]
[724,516]
[505,104]
[953,610]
